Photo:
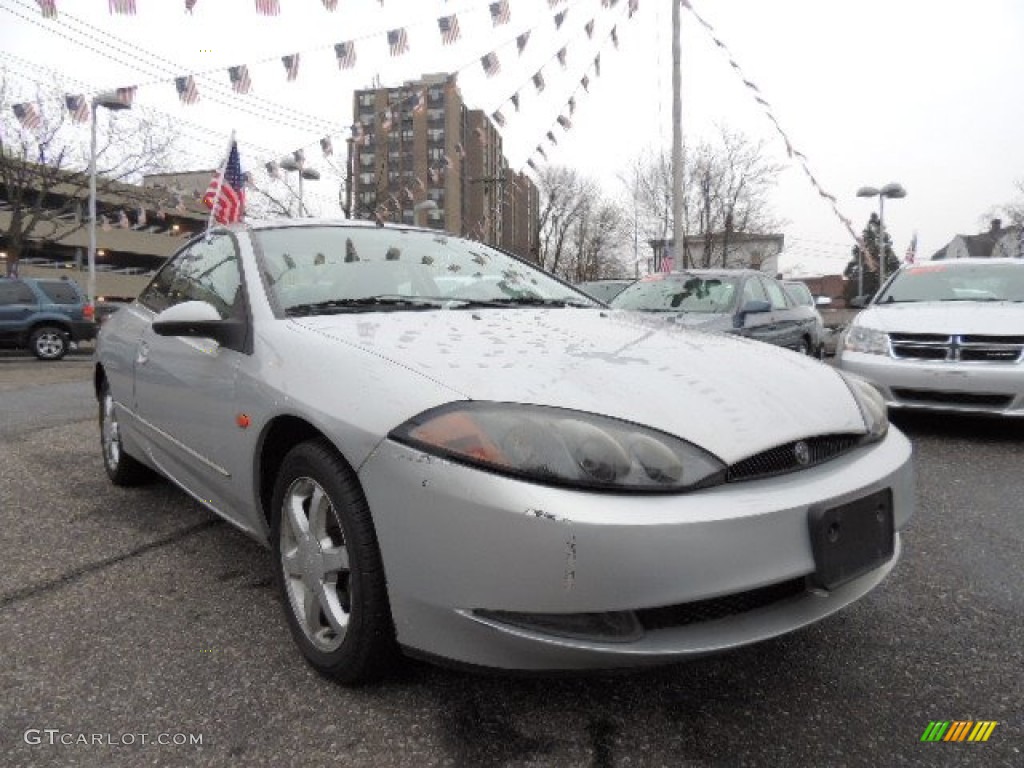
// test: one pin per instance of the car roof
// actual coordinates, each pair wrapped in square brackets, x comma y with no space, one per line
[279,223]
[969,261]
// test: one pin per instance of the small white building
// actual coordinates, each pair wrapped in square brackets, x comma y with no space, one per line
[998,242]
[742,251]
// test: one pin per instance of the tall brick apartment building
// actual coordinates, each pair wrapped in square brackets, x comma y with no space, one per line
[419,142]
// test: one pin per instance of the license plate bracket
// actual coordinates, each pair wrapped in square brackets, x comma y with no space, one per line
[850,539]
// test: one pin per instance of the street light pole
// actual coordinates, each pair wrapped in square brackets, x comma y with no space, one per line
[894,191]
[111,101]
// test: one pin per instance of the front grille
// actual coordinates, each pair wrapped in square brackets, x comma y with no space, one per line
[786,458]
[968,348]
[683,614]
[952,398]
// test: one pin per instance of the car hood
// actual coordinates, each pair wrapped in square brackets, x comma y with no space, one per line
[946,317]
[732,396]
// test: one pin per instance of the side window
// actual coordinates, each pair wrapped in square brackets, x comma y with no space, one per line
[775,294]
[62,292]
[753,291]
[204,271]
[15,292]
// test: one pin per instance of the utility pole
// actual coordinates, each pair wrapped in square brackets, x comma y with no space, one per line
[677,139]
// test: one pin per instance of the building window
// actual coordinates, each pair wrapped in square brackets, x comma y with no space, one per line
[367,99]
[367,178]
[435,134]
[407,135]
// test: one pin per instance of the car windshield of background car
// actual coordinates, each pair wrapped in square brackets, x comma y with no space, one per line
[950,282]
[800,294]
[679,293]
[320,269]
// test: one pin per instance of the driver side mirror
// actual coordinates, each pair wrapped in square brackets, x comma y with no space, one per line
[752,307]
[199,319]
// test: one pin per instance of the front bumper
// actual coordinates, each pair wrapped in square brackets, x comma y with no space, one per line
[460,544]
[972,388]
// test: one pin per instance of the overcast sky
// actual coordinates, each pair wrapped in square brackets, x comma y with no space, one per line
[923,92]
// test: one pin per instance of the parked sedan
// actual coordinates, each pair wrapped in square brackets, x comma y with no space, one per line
[945,336]
[741,302]
[801,295]
[500,471]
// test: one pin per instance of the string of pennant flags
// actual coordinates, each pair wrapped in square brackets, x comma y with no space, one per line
[790,147]
[241,81]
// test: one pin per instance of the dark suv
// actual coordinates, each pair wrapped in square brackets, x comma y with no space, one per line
[43,316]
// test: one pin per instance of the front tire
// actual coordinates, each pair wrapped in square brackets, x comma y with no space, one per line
[328,567]
[121,468]
[48,342]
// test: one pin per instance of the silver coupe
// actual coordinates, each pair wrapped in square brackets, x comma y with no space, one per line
[454,454]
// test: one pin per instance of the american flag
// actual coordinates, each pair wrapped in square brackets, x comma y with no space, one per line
[589,28]
[559,19]
[240,78]
[346,53]
[538,82]
[327,146]
[500,13]
[127,95]
[49,8]
[291,65]
[78,106]
[126,7]
[268,7]
[186,89]
[398,40]
[562,56]
[226,197]
[449,26]
[490,64]
[911,256]
[28,116]
[664,260]
[522,40]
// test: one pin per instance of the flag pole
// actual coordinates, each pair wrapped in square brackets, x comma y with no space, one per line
[220,182]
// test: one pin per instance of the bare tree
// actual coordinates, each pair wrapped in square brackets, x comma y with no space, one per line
[1012,212]
[726,193]
[44,176]
[580,232]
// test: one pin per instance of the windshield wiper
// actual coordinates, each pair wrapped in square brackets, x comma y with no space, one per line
[525,301]
[367,303]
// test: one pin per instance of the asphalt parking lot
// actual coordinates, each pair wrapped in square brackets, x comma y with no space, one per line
[133,614]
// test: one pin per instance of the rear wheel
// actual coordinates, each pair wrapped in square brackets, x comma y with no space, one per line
[121,468]
[48,342]
[328,567]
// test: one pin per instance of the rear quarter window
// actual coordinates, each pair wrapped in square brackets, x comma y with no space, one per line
[62,292]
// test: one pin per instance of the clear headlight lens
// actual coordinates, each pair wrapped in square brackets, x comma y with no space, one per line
[867,340]
[871,403]
[561,447]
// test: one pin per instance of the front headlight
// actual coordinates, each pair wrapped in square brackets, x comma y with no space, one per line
[556,446]
[871,403]
[867,340]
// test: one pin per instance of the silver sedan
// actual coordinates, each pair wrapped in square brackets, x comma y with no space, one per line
[454,454]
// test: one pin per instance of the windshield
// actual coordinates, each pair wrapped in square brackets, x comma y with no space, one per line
[799,293]
[956,282]
[329,269]
[682,292]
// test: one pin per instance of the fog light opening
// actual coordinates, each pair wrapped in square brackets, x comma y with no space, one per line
[610,627]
